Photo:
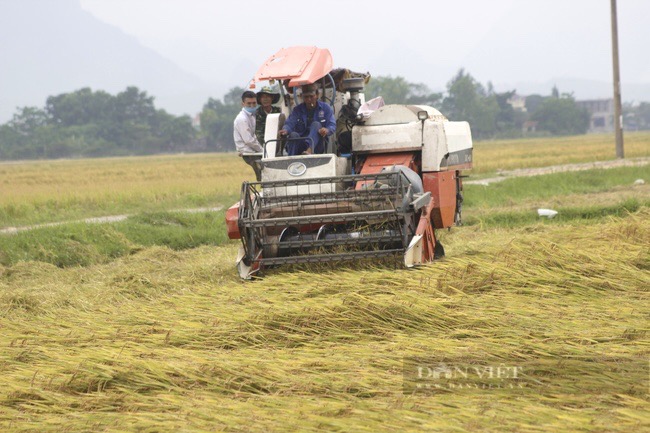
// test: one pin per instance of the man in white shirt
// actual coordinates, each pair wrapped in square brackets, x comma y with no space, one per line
[244,133]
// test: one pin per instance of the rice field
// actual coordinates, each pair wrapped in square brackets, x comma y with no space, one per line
[495,155]
[533,326]
[61,190]
[46,191]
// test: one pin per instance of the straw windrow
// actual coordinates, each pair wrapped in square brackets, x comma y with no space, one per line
[165,340]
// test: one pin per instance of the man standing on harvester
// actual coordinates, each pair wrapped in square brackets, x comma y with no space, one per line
[313,120]
[244,133]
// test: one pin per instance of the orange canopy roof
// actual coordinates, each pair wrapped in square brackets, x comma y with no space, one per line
[300,65]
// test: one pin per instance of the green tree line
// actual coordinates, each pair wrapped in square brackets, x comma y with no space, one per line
[87,123]
[217,117]
[488,112]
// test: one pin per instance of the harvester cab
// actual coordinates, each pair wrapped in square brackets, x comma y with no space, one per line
[390,176]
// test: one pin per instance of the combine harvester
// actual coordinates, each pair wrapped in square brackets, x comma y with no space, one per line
[388,179]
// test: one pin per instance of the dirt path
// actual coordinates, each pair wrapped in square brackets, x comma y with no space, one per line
[524,172]
[97,220]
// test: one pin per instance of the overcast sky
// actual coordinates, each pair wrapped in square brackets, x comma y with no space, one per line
[503,41]
[183,52]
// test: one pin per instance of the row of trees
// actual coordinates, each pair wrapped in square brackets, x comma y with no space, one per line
[488,112]
[87,123]
[217,118]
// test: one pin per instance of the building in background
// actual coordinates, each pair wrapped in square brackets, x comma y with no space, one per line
[529,126]
[601,112]
[518,102]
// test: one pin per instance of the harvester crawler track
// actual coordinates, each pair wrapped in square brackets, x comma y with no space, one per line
[325,219]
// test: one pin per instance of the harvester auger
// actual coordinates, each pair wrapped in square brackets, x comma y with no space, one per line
[391,176]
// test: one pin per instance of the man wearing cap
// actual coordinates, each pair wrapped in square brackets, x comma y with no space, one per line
[244,133]
[312,120]
[265,98]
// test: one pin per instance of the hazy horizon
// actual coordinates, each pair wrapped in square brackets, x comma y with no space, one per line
[203,48]
[507,40]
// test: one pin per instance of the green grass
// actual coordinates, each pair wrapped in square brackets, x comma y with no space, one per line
[577,196]
[176,230]
[514,190]
[580,214]
[80,244]
[76,208]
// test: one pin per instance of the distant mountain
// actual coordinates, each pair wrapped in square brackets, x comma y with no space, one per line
[52,47]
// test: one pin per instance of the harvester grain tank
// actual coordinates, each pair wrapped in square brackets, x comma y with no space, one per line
[390,177]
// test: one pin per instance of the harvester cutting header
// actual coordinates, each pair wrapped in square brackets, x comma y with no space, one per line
[389,176]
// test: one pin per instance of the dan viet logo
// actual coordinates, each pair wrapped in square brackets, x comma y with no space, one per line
[625,376]
[442,376]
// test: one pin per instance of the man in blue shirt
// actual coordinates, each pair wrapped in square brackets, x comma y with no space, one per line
[313,119]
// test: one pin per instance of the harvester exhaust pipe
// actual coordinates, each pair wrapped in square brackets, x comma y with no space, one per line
[355,86]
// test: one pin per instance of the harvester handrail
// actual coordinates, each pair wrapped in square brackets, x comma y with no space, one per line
[265,154]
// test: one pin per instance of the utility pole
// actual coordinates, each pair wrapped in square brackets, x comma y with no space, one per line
[618,115]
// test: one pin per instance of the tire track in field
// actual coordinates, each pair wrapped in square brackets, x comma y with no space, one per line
[97,220]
